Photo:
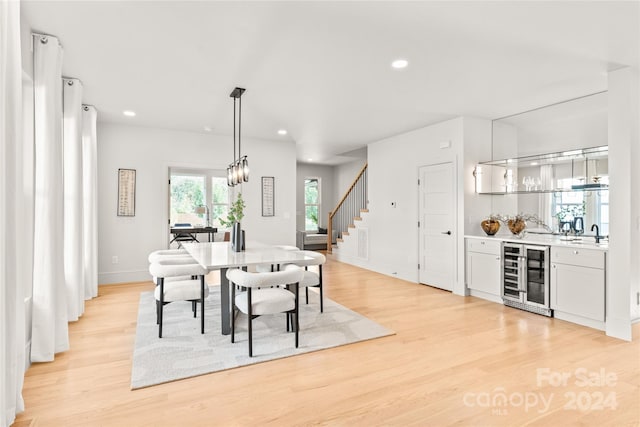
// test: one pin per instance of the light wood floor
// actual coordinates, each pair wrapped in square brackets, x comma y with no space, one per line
[449,363]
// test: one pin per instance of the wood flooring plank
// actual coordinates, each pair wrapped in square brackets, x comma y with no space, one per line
[449,353]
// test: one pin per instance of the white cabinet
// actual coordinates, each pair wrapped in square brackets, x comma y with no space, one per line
[578,285]
[483,268]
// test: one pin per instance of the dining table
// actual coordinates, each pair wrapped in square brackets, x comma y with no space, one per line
[221,256]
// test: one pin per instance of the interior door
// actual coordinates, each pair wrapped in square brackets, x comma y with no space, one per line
[437,226]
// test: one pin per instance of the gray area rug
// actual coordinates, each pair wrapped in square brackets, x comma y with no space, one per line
[183,352]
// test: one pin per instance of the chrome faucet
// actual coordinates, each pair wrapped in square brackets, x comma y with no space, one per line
[597,236]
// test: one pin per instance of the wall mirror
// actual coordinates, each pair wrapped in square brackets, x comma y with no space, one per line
[553,162]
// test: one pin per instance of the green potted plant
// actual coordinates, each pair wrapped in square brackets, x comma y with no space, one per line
[235,215]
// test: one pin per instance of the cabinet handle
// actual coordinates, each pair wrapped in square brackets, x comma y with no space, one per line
[482,243]
[575,252]
[554,266]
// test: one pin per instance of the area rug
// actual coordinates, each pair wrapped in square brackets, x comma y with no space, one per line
[183,352]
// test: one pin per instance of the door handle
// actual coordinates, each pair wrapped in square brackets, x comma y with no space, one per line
[446,232]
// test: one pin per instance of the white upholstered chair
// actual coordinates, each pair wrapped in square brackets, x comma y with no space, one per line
[311,278]
[193,290]
[263,296]
[175,256]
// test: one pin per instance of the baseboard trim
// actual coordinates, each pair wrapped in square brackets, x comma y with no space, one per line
[115,277]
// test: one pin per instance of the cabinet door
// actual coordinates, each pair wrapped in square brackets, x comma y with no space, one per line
[483,272]
[578,290]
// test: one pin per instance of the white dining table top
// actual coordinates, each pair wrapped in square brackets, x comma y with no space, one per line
[217,255]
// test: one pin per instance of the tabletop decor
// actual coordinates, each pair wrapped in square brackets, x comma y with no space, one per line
[491,225]
[517,224]
[235,215]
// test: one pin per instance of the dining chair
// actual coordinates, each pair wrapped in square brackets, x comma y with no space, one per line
[311,279]
[193,290]
[262,296]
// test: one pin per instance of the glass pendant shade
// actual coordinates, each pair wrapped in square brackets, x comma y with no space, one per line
[245,169]
[240,173]
[229,177]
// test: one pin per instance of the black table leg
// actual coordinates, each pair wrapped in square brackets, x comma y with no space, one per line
[225,307]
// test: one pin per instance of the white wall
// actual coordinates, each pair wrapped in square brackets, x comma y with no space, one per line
[151,152]
[624,175]
[344,175]
[326,174]
[393,177]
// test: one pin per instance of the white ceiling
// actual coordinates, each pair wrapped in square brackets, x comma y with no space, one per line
[322,70]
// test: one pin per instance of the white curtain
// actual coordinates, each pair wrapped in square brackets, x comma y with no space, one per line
[49,332]
[73,194]
[90,199]
[12,330]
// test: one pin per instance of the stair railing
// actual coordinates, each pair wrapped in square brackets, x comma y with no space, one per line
[349,207]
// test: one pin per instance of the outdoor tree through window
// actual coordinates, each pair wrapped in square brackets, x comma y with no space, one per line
[193,188]
[311,203]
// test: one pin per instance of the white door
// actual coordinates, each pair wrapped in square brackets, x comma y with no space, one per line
[437,226]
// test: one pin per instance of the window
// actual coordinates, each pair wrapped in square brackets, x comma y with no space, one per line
[311,203]
[190,189]
[592,206]
[219,200]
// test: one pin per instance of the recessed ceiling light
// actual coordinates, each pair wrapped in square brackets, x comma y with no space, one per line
[310,160]
[400,63]
[282,132]
[208,128]
[129,113]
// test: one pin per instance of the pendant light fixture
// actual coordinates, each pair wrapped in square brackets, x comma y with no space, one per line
[238,170]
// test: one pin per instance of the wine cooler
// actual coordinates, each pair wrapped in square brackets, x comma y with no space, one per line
[525,277]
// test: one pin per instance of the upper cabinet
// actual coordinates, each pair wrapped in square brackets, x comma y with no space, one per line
[560,147]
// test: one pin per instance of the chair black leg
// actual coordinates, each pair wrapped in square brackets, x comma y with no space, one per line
[250,315]
[233,312]
[157,312]
[321,291]
[296,313]
[306,293]
[202,303]
[161,306]
[194,307]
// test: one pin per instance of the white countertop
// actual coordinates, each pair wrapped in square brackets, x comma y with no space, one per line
[585,242]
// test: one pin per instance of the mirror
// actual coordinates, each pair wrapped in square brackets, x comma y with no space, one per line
[555,162]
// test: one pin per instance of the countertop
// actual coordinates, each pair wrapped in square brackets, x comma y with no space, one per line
[585,242]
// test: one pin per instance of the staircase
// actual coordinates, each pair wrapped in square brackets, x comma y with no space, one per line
[349,211]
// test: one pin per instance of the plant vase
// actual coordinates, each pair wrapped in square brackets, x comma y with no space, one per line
[490,226]
[237,238]
[516,226]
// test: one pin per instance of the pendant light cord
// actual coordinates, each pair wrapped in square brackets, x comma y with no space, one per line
[234,130]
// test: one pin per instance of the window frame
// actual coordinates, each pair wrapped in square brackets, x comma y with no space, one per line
[207,175]
[318,203]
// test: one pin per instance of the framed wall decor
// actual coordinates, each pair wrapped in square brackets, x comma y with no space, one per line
[268,184]
[126,192]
